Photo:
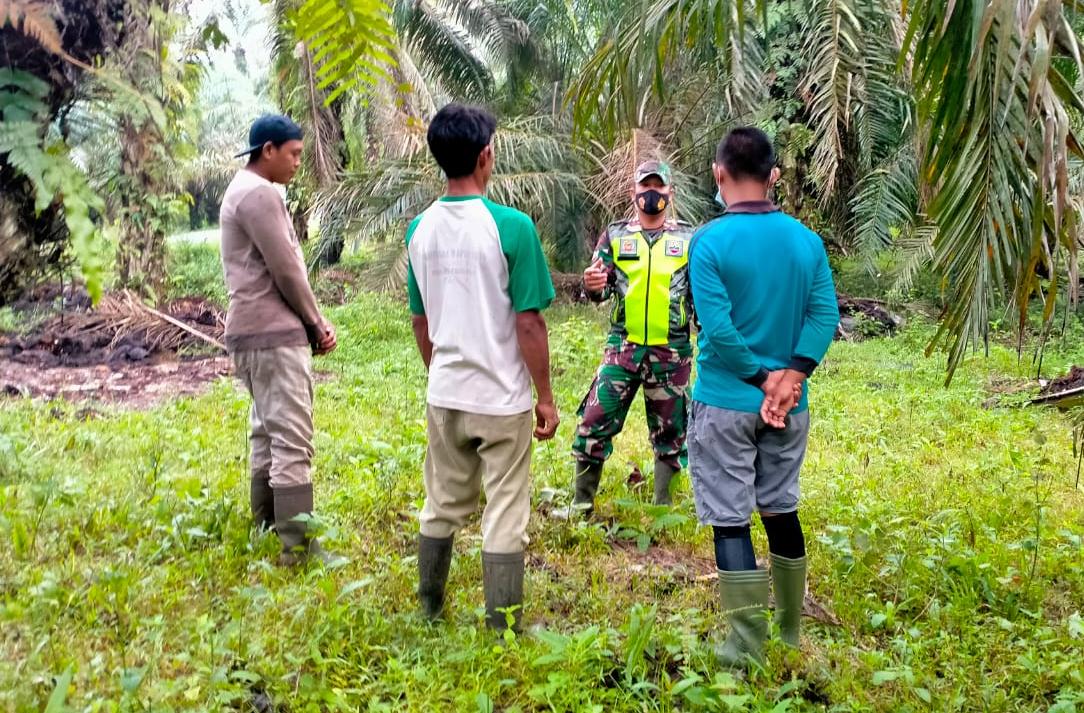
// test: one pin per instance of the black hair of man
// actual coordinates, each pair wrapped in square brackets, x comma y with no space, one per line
[257,153]
[747,153]
[457,135]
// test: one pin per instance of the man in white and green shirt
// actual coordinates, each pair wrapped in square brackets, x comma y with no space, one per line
[477,283]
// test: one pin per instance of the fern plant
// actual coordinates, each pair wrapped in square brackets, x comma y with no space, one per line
[48,167]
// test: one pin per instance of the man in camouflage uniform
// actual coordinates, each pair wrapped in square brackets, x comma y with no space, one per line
[643,265]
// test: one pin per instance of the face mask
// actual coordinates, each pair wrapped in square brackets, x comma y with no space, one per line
[719,200]
[652,202]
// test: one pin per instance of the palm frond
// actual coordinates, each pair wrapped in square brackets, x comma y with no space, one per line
[998,147]
[349,41]
[885,203]
[653,42]
[491,26]
[533,173]
[916,252]
[387,272]
[443,49]
[835,34]
[325,135]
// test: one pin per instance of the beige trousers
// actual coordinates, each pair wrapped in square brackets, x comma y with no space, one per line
[468,452]
[280,382]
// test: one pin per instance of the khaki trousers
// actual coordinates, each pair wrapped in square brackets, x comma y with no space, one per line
[280,382]
[468,452]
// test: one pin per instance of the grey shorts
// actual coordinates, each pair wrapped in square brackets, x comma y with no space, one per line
[738,464]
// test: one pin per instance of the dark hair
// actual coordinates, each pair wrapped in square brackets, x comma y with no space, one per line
[457,135]
[256,153]
[746,152]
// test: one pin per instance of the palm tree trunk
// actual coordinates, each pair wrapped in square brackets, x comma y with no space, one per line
[141,252]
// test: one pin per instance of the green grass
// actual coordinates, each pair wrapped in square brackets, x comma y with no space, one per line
[195,268]
[945,536]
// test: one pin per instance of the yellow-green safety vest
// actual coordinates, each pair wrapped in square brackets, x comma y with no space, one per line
[650,271]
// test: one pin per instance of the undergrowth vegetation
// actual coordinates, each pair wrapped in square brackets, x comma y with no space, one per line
[945,538]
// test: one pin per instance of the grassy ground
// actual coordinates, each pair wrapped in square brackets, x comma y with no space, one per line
[945,536]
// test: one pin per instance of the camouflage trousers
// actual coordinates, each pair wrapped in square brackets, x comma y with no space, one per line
[664,373]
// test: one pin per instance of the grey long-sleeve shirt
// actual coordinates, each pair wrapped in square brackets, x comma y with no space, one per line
[271,301]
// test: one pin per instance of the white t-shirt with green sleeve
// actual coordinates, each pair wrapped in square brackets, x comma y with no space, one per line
[473,264]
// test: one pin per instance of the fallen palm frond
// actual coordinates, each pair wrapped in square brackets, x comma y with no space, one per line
[126,315]
[122,319]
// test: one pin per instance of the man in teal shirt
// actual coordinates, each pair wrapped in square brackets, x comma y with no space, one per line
[768,312]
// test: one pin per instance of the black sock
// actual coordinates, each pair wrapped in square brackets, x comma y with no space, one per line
[785,537]
[734,548]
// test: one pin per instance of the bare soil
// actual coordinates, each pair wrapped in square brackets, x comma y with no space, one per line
[878,318]
[1072,380]
[569,287]
[140,385]
[117,353]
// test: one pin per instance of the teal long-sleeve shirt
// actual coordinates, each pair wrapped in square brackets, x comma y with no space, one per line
[765,298]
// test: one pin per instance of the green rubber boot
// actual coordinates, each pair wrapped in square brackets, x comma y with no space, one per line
[588,476]
[292,504]
[664,474]
[262,499]
[744,597]
[788,581]
[502,580]
[434,561]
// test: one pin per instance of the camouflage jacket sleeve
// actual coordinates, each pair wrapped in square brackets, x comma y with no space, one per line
[604,250]
[690,306]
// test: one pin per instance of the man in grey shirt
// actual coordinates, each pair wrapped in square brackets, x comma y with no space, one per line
[273,326]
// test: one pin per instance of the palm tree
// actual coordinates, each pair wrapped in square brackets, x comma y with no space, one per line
[960,114]
[535,172]
[448,49]
[572,194]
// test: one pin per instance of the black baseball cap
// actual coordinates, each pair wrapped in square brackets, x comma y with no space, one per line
[276,128]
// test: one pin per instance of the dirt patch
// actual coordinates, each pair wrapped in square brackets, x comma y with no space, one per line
[1010,391]
[52,297]
[569,287]
[1074,379]
[133,385]
[120,330]
[121,351]
[660,559]
[690,568]
[862,318]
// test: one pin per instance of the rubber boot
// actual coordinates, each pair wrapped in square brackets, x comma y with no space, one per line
[788,581]
[664,474]
[262,499]
[744,597]
[588,476]
[502,579]
[298,545]
[434,560]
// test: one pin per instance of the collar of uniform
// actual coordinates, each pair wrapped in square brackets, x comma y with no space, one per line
[459,199]
[754,207]
[635,227]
